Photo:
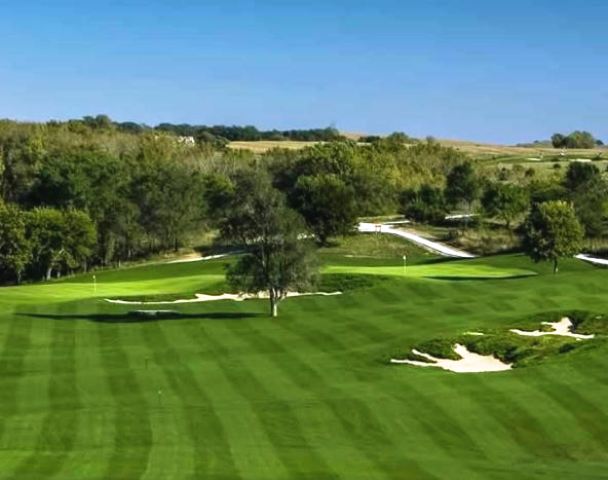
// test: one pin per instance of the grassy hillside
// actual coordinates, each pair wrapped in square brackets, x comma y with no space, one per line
[475,149]
[88,392]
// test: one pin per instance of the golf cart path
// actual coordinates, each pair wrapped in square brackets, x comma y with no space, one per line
[590,259]
[414,238]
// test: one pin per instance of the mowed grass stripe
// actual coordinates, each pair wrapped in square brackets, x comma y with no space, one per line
[133,433]
[591,418]
[345,409]
[521,422]
[245,433]
[440,423]
[462,411]
[12,360]
[365,439]
[276,415]
[60,426]
[559,418]
[213,458]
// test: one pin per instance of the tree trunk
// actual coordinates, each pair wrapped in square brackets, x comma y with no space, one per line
[274,304]
[49,273]
[555,269]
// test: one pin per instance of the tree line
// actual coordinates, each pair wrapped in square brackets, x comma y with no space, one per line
[129,196]
[141,194]
[576,139]
[204,133]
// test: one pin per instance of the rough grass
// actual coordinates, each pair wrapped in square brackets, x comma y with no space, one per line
[520,350]
[224,392]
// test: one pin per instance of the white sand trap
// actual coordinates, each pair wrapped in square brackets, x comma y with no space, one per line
[468,363]
[203,297]
[561,328]
[477,334]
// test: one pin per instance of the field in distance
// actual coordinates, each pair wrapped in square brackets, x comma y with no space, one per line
[475,149]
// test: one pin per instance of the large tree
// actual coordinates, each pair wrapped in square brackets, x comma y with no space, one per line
[327,204]
[504,201]
[279,256]
[462,186]
[60,239]
[424,205]
[552,231]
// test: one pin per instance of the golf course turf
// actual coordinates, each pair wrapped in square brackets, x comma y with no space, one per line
[88,391]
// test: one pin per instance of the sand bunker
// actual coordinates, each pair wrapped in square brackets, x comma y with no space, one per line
[478,334]
[561,328]
[468,363]
[196,257]
[202,297]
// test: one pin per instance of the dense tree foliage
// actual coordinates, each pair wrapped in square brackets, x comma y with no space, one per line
[576,139]
[426,204]
[462,187]
[93,192]
[15,250]
[588,192]
[504,201]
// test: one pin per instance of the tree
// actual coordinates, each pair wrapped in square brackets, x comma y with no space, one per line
[505,201]
[579,174]
[424,205]
[45,228]
[558,140]
[462,186]
[327,204]
[591,207]
[14,246]
[552,231]
[59,238]
[576,139]
[279,255]
[79,238]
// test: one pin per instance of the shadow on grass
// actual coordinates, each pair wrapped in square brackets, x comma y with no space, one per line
[478,277]
[138,317]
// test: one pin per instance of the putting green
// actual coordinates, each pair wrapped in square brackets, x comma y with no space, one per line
[88,392]
[462,269]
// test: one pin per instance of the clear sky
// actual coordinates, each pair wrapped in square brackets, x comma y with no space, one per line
[487,70]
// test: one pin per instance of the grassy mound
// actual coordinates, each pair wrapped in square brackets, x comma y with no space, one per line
[515,349]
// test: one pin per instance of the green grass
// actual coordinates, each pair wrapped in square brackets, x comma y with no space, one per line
[306,396]
[443,270]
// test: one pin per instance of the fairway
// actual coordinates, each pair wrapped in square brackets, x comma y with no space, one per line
[224,392]
[470,269]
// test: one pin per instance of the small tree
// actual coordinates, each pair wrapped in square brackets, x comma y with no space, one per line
[579,175]
[504,201]
[552,231]
[280,257]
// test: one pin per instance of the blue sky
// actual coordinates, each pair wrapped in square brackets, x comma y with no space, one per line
[486,70]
